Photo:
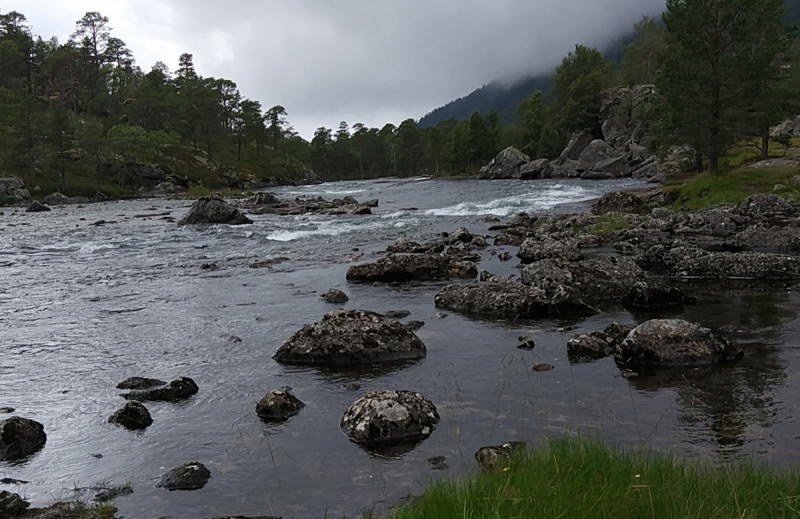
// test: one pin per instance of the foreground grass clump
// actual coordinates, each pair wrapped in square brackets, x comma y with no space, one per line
[587,479]
[706,190]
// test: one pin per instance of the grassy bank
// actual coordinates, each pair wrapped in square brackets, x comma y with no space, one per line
[586,479]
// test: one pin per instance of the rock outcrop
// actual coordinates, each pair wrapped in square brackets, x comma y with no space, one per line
[12,505]
[179,389]
[13,188]
[546,247]
[505,165]
[278,405]
[674,342]
[191,476]
[212,210]
[389,417]
[133,416]
[20,437]
[693,262]
[351,337]
[401,268]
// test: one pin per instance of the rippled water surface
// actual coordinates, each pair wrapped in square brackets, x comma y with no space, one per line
[83,307]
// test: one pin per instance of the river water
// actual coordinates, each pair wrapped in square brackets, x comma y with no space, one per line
[83,307]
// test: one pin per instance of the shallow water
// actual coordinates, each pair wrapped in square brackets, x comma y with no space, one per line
[83,307]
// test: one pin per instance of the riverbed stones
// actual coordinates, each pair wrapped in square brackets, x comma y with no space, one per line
[594,345]
[404,245]
[384,417]
[37,207]
[278,405]
[619,202]
[133,416]
[335,296]
[686,261]
[213,210]
[652,296]
[763,237]
[351,337]
[179,389]
[674,342]
[140,383]
[537,249]
[12,505]
[191,476]
[20,437]
[404,268]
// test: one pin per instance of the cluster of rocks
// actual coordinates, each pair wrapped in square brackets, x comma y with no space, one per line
[14,189]
[624,150]
[134,415]
[267,203]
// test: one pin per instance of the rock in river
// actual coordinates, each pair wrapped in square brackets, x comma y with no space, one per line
[11,505]
[390,416]
[595,345]
[179,389]
[20,437]
[398,268]
[191,476]
[534,249]
[214,210]
[334,296]
[133,416]
[351,337]
[37,207]
[278,405]
[674,342]
[140,383]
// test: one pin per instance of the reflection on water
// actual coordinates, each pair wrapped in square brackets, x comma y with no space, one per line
[84,307]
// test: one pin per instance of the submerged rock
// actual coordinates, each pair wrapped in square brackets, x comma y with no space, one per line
[191,476]
[134,416]
[397,268]
[594,345]
[335,296]
[674,342]
[389,417]
[179,389]
[20,437]
[140,383]
[652,296]
[351,337]
[278,405]
[212,210]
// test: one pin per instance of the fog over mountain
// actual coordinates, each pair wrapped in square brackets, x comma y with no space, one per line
[356,60]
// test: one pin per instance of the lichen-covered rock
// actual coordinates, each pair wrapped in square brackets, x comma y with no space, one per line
[508,300]
[334,296]
[133,416]
[537,249]
[191,476]
[505,165]
[278,405]
[20,437]
[619,202]
[594,345]
[179,389]
[351,337]
[212,210]
[404,245]
[12,505]
[619,332]
[674,342]
[389,417]
[689,261]
[766,205]
[652,296]
[397,268]
[140,383]
[763,237]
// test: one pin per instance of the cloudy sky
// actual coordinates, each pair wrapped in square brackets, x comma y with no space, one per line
[369,61]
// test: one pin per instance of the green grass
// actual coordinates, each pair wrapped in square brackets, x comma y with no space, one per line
[586,479]
[706,190]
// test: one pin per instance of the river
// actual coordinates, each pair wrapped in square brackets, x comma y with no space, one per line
[83,307]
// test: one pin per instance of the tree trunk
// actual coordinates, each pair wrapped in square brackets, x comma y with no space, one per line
[713,162]
[208,149]
[765,143]
[239,148]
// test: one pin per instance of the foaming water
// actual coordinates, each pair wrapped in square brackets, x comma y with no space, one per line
[83,307]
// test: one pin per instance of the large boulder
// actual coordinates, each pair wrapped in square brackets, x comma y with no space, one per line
[577,144]
[399,268]
[37,207]
[619,202]
[674,342]
[766,205]
[278,405]
[765,237]
[191,476]
[624,115]
[598,152]
[790,128]
[503,299]
[140,383]
[212,210]
[179,389]
[537,249]
[389,417]
[505,165]
[133,416]
[351,337]
[535,169]
[594,345]
[20,437]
